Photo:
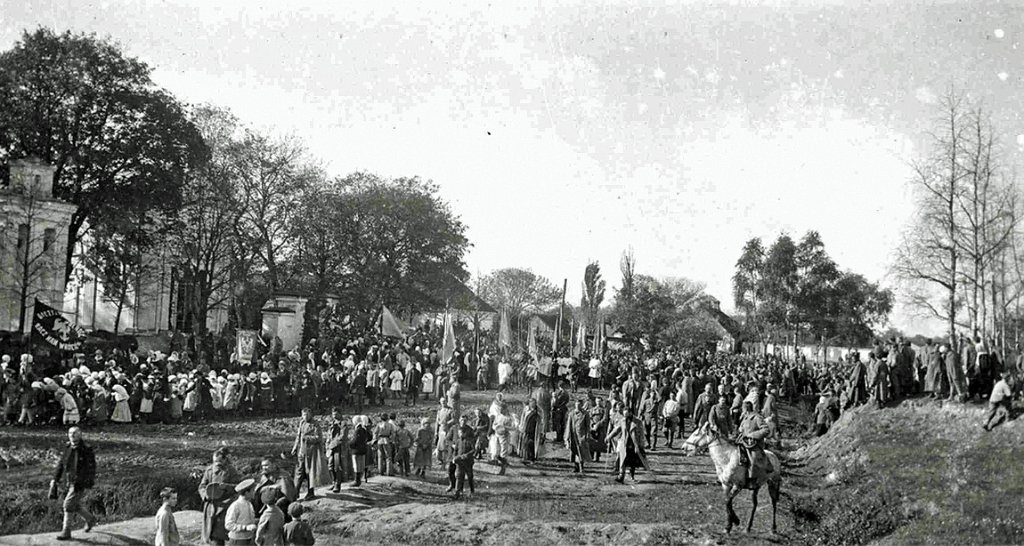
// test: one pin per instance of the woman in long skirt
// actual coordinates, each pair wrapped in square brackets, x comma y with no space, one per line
[122,414]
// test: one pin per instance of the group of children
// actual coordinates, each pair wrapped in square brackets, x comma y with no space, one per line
[245,526]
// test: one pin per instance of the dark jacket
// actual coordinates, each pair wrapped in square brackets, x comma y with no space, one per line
[77,466]
[360,441]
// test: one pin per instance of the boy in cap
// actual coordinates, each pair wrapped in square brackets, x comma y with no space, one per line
[240,519]
[298,532]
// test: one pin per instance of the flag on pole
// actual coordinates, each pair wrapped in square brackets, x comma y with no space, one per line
[448,349]
[504,332]
[50,326]
[531,343]
[581,340]
[390,325]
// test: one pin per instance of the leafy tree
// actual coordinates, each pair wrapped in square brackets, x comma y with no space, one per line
[271,175]
[858,307]
[519,291]
[402,246]
[593,294]
[665,312]
[780,283]
[121,146]
[748,280]
[627,266]
[202,241]
[817,274]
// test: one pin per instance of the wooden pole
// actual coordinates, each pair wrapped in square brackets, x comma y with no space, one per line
[558,324]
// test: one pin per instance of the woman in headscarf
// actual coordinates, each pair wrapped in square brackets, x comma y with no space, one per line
[215,489]
[121,412]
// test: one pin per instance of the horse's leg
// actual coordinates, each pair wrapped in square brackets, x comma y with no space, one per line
[731,517]
[729,514]
[753,507]
[773,493]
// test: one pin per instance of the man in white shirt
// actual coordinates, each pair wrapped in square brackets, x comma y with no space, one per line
[504,373]
[595,373]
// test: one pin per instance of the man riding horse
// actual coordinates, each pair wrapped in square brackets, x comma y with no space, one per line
[752,432]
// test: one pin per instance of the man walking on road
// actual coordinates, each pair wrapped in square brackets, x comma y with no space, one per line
[78,468]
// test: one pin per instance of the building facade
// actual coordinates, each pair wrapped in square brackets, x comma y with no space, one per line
[33,243]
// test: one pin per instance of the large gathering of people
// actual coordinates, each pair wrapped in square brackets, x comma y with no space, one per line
[623,403]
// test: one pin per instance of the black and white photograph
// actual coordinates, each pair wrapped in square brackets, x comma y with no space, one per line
[480,273]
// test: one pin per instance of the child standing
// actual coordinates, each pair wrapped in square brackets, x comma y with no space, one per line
[166,527]
[298,532]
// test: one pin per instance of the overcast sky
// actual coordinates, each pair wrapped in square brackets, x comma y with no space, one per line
[566,132]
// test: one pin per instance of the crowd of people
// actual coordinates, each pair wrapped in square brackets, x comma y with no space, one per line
[649,398]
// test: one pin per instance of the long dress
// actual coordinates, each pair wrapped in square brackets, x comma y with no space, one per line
[122,414]
[217,491]
[532,429]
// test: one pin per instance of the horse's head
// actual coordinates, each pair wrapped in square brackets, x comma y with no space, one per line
[700,438]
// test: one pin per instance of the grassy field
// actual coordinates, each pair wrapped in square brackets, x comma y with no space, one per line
[913,474]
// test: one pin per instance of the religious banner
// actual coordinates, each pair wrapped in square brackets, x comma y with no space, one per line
[245,346]
[390,325]
[504,332]
[50,326]
[544,365]
[448,346]
[564,366]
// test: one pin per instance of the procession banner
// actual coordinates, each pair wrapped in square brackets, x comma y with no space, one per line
[544,365]
[50,326]
[504,332]
[448,349]
[245,346]
[390,325]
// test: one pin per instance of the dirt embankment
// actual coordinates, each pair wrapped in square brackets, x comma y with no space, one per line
[922,472]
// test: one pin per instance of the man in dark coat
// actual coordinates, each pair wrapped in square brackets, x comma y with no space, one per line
[577,435]
[78,468]
[216,490]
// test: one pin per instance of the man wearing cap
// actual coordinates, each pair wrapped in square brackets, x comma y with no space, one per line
[78,469]
[309,447]
[272,478]
[339,461]
[462,457]
[577,436]
[240,520]
[214,489]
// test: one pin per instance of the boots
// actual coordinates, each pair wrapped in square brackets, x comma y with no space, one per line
[65,531]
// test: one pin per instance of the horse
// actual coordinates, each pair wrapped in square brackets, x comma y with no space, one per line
[733,475]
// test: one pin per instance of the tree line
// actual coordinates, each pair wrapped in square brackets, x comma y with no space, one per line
[792,290]
[239,213]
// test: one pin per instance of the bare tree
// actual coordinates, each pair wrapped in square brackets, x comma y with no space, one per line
[928,259]
[30,255]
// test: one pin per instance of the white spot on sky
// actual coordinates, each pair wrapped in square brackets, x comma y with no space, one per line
[659,74]
[1020,141]
[926,95]
[691,70]
[999,33]
[1003,76]
[641,108]
[838,74]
